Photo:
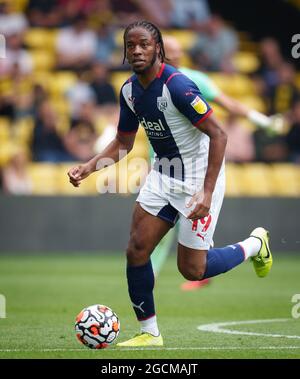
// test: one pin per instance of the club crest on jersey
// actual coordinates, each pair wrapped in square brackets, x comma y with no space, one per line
[131,100]
[162,103]
[199,105]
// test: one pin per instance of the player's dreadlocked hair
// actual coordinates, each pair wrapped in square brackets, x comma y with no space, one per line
[156,33]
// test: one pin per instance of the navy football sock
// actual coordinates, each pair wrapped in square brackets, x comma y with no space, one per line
[140,286]
[223,259]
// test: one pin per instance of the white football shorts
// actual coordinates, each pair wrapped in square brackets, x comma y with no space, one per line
[167,198]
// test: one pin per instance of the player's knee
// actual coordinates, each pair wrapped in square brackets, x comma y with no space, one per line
[136,252]
[192,273]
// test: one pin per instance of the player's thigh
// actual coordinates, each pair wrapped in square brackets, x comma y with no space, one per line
[195,238]
[199,234]
[146,232]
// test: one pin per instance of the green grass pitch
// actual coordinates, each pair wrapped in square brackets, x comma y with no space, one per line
[45,293]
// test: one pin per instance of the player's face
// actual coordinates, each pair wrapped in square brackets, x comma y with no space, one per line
[142,50]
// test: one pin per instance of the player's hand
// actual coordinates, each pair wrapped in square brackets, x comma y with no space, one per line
[278,123]
[78,173]
[201,202]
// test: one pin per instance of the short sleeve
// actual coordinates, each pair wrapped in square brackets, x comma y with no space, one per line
[206,86]
[128,122]
[188,99]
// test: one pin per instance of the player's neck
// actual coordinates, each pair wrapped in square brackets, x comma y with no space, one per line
[146,78]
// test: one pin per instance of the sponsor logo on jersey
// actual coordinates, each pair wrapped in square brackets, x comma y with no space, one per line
[152,125]
[162,103]
[199,105]
[154,129]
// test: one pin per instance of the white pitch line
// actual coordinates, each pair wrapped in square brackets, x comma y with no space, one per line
[214,327]
[151,349]
[218,328]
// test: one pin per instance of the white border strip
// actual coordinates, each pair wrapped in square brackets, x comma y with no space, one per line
[150,349]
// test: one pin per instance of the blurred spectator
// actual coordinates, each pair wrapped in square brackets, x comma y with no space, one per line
[158,12]
[214,49]
[101,14]
[44,13]
[17,58]
[240,144]
[282,95]
[86,113]
[72,8]
[194,14]
[76,45]
[100,84]
[79,95]
[293,136]
[269,147]
[126,12]
[270,60]
[15,177]
[23,99]
[28,103]
[47,144]
[39,95]
[106,44]
[80,140]
[11,22]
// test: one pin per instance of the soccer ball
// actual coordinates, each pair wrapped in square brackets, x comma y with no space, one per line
[97,326]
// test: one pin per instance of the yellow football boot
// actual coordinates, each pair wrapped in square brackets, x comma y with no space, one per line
[142,340]
[262,262]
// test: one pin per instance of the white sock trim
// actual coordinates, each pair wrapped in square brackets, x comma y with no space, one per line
[150,326]
[251,246]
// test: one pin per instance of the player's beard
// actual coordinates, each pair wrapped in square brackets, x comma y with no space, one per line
[143,70]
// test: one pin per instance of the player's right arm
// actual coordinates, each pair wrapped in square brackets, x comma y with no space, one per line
[110,155]
[117,149]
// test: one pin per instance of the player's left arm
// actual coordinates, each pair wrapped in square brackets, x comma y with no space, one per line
[217,145]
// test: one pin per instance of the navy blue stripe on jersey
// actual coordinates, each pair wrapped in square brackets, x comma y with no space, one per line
[188,99]
[169,214]
[128,122]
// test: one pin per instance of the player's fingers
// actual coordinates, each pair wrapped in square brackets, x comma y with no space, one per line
[75,183]
[76,172]
[194,212]
[191,201]
[73,172]
[200,211]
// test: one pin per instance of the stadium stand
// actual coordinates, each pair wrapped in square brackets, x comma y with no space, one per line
[18,111]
